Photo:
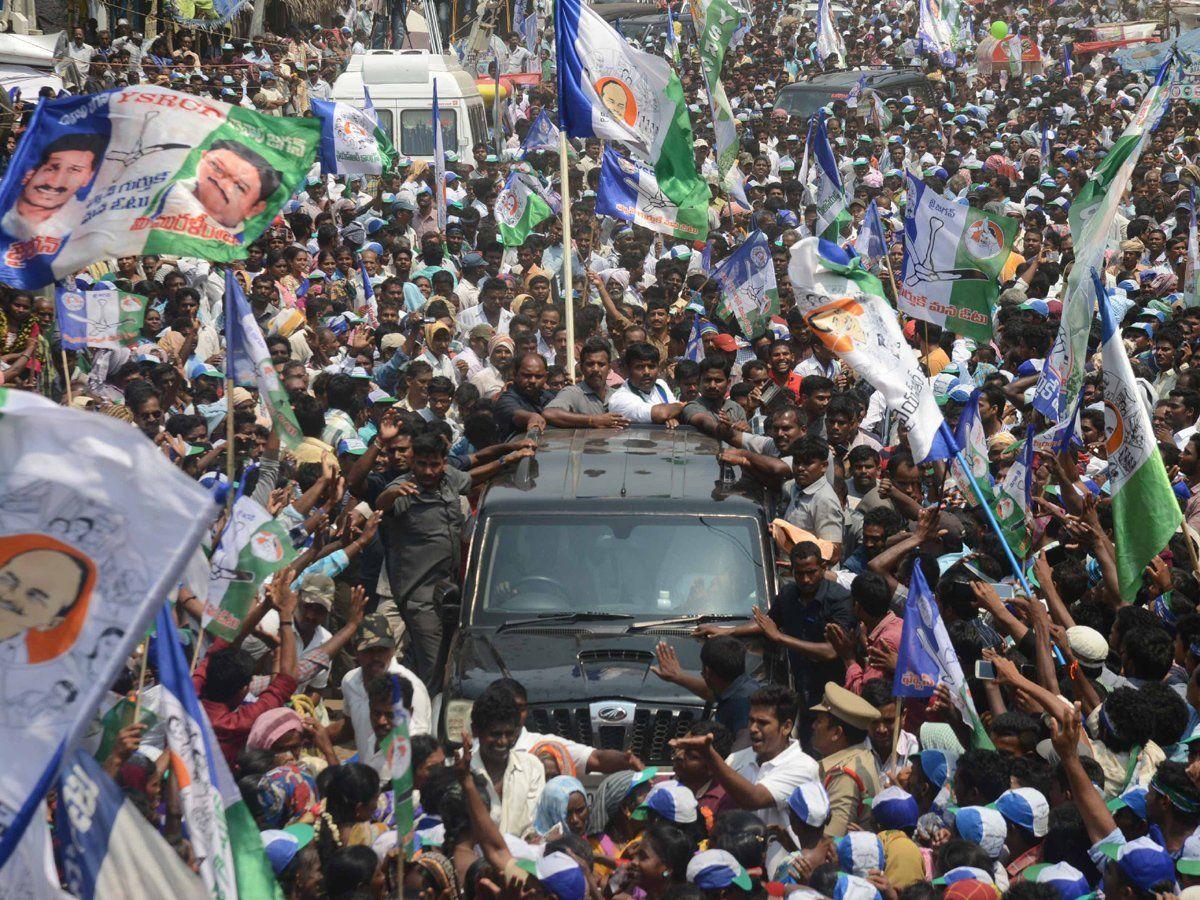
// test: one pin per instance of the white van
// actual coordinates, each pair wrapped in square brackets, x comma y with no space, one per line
[401,87]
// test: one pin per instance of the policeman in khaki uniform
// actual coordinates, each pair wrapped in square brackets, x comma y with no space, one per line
[848,769]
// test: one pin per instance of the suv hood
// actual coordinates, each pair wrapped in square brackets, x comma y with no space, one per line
[570,663]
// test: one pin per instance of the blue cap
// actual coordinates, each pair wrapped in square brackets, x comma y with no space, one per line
[810,803]
[859,852]
[1133,799]
[984,826]
[1026,808]
[672,801]
[936,765]
[714,870]
[561,876]
[851,887]
[1063,877]
[894,807]
[1142,863]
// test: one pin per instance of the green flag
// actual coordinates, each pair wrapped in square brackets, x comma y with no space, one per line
[519,209]
[253,545]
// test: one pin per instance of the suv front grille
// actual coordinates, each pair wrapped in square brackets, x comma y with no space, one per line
[649,736]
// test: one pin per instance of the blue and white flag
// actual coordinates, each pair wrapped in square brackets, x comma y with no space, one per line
[829,39]
[223,834]
[1045,150]
[439,160]
[248,362]
[972,440]
[352,140]
[96,523]
[108,848]
[144,170]
[871,243]
[542,135]
[695,343]
[828,194]
[629,190]
[748,291]
[609,89]
[369,306]
[926,658]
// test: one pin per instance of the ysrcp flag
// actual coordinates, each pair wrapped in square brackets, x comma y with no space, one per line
[352,140]
[1013,498]
[253,545]
[845,307]
[829,195]
[101,317]
[926,657]
[953,255]
[108,848]
[829,39]
[1145,511]
[748,291]
[629,191]
[939,27]
[144,170]
[608,89]
[1093,212]
[542,135]
[970,437]
[249,362]
[96,527]
[716,21]
[518,210]
[223,834]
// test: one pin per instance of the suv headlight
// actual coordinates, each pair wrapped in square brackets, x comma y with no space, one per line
[457,718]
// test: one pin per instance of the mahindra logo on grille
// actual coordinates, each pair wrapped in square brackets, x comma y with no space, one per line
[612,714]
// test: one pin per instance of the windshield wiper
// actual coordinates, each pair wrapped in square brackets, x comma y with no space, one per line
[565,618]
[694,619]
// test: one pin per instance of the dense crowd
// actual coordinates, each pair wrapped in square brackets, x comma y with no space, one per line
[1080,773]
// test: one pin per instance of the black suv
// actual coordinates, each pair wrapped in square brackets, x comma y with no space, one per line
[582,560]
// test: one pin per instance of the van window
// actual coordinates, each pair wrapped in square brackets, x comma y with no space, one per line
[479,124]
[416,131]
[386,123]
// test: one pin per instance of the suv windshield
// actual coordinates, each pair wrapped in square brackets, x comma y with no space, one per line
[645,565]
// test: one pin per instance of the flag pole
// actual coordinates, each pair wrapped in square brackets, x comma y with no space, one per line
[137,703]
[67,376]
[229,428]
[568,275]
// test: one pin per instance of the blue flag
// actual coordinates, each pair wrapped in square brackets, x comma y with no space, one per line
[871,243]
[917,667]
[108,847]
[248,362]
[926,658]
[695,343]
[368,292]
[748,291]
[542,135]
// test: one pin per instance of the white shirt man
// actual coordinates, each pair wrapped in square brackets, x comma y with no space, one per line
[522,783]
[631,403]
[358,708]
[780,775]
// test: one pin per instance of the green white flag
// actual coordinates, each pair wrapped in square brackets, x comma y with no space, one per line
[953,255]
[398,750]
[518,210]
[253,545]
[1145,511]
[1092,215]
[716,21]
[1012,499]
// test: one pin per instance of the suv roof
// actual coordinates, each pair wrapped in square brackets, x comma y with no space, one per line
[801,98]
[640,466]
